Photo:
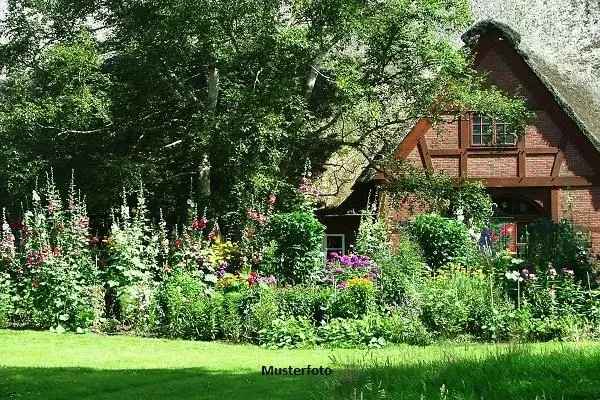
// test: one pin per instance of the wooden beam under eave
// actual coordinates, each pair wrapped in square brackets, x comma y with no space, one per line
[559,157]
[539,181]
[555,204]
[425,156]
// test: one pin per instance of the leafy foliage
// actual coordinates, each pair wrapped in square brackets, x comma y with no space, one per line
[466,200]
[297,256]
[561,245]
[228,96]
[443,240]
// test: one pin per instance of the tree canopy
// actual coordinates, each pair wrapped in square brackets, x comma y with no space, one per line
[239,94]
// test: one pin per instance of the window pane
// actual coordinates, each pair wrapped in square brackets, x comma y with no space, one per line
[335,242]
[504,134]
[482,130]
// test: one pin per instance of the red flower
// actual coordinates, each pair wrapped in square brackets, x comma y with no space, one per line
[199,224]
[506,230]
[252,278]
[178,243]
[16,226]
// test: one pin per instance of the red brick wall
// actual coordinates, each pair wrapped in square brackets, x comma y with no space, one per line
[582,206]
[546,131]
[492,166]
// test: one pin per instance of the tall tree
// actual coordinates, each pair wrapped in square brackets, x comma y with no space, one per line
[124,89]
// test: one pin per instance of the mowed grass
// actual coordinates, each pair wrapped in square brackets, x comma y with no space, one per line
[42,365]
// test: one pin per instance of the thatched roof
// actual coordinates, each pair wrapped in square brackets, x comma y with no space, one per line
[576,99]
[560,41]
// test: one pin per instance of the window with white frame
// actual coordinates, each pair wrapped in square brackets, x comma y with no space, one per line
[335,243]
[487,131]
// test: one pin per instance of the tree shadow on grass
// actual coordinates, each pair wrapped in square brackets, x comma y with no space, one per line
[148,384]
[513,375]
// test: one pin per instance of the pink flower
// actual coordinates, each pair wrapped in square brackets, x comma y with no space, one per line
[256,216]
[272,199]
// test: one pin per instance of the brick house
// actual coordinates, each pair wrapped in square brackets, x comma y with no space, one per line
[552,171]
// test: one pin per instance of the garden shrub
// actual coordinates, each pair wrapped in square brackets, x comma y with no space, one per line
[559,245]
[293,332]
[404,326]
[311,302]
[297,256]
[443,240]
[234,310]
[188,311]
[347,333]
[138,308]
[6,306]
[402,274]
[262,312]
[458,301]
[354,300]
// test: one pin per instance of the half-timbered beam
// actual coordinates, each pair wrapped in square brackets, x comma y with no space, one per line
[425,156]
[555,204]
[542,181]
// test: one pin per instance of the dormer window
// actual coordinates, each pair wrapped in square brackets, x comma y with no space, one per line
[488,131]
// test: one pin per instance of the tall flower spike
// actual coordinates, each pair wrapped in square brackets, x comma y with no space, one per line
[72,198]
[7,239]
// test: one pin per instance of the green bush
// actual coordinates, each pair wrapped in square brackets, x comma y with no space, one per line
[559,245]
[311,302]
[262,312]
[406,327]
[187,311]
[353,301]
[289,333]
[138,311]
[443,240]
[347,333]
[234,310]
[402,274]
[458,302]
[6,306]
[297,256]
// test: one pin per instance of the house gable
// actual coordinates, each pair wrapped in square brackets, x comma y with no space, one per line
[555,165]
[552,153]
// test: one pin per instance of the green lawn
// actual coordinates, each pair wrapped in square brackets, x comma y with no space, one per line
[42,365]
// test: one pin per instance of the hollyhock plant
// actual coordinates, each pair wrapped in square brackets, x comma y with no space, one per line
[7,240]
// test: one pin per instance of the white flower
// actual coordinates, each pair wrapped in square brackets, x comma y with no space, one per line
[513,276]
[35,196]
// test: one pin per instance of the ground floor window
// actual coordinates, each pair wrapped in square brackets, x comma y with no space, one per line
[335,243]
